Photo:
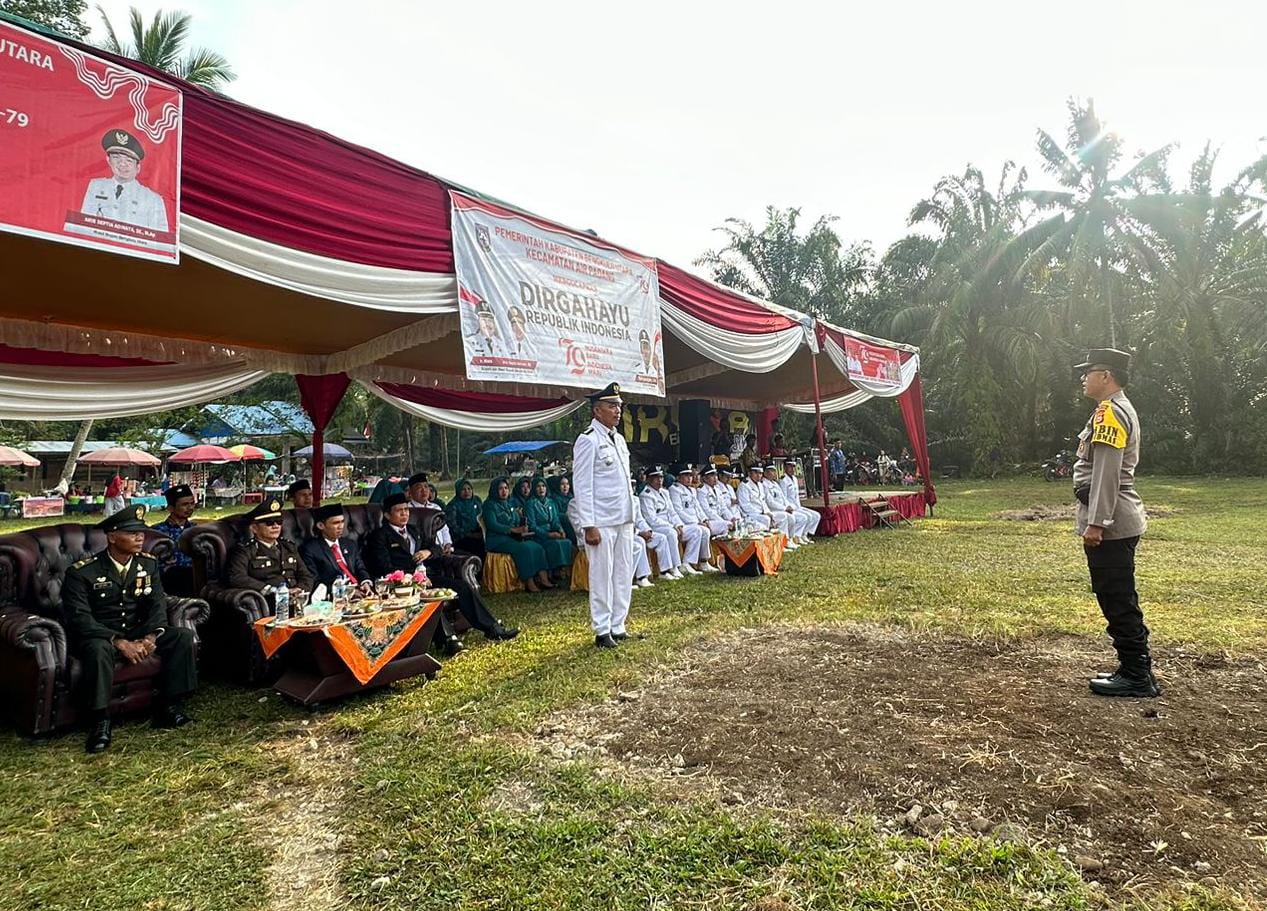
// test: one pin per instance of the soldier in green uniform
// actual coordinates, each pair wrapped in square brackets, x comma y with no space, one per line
[117,611]
[1110,518]
[267,560]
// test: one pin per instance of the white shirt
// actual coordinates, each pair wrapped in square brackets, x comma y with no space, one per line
[128,202]
[752,499]
[600,479]
[683,498]
[774,496]
[791,491]
[657,508]
[443,538]
[714,504]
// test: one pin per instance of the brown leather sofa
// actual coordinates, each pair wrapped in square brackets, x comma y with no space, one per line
[230,646]
[39,673]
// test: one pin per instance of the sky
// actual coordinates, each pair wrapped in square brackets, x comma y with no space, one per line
[654,122]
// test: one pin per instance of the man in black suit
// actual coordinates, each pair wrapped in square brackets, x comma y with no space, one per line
[394,545]
[329,555]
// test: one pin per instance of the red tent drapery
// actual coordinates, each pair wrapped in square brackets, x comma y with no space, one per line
[912,404]
[320,396]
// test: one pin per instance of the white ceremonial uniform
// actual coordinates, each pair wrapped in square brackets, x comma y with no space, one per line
[752,508]
[732,498]
[780,518]
[667,555]
[809,519]
[486,346]
[657,509]
[444,538]
[600,484]
[708,500]
[128,202]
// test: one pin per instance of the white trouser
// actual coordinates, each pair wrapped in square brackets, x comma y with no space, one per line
[696,549]
[757,520]
[797,521]
[782,522]
[812,518]
[642,566]
[718,526]
[667,557]
[611,578]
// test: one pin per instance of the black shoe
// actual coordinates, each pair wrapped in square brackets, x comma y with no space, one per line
[173,716]
[503,633]
[451,646]
[1106,675]
[605,642]
[621,637]
[1134,679]
[98,737]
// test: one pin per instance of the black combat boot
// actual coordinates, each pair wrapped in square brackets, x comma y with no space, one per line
[1135,679]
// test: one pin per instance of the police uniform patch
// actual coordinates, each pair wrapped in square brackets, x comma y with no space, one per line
[1106,428]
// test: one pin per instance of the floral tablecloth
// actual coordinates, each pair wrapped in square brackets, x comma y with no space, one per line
[365,645]
[767,551]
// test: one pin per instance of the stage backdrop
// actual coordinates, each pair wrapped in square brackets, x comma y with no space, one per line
[542,305]
[91,150]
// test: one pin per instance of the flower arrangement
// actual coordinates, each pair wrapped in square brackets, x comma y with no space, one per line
[403,584]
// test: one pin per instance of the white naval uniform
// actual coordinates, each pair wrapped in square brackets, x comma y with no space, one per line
[716,513]
[809,517]
[780,518]
[657,509]
[444,538]
[667,555]
[485,346]
[752,508]
[732,498]
[600,486]
[128,202]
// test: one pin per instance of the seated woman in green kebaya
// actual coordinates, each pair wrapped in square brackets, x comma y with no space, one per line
[542,517]
[506,532]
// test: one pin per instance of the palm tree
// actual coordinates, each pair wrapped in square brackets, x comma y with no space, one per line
[160,45]
[812,273]
[1091,232]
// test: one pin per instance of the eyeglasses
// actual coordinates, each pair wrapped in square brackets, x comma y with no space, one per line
[271,522]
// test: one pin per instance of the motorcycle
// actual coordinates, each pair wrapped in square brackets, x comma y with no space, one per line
[1060,467]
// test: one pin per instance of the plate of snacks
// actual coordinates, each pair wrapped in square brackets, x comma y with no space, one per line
[437,594]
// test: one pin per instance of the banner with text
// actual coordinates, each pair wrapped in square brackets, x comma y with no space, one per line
[542,305]
[875,364]
[91,149]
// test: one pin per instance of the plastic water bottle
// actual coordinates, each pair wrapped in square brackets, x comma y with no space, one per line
[281,600]
[339,593]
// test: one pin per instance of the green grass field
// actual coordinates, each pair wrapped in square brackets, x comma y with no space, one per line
[389,801]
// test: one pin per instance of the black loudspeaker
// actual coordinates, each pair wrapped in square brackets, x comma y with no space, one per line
[695,432]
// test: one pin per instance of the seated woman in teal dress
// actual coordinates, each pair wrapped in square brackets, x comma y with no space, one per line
[542,517]
[463,514]
[521,492]
[561,494]
[505,532]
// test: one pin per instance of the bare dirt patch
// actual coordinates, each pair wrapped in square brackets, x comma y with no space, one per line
[934,735]
[1065,513]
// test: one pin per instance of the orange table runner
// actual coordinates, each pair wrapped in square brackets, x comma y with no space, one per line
[365,645]
[768,551]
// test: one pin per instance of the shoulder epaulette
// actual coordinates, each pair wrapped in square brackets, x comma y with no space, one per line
[586,432]
[84,562]
[148,556]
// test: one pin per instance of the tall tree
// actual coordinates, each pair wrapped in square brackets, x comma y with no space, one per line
[66,16]
[161,44]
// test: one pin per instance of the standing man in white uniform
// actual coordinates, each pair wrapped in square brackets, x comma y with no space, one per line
[808,518]
[752,508]
[657,509]
[605,515]
[781,515]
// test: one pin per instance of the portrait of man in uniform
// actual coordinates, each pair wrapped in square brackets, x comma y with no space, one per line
[520,346]
[486,340]
[122,196]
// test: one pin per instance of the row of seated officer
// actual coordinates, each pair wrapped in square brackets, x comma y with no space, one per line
[266,560]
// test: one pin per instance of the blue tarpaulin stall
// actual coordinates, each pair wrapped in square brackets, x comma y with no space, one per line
[522,446]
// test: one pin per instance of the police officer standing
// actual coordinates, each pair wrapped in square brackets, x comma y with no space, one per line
[1110,518]
[117,613]
[603,515]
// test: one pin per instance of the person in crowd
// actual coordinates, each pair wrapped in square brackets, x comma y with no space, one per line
[836,466]
[806,519]
[463,515]
[266,560]
[561,494]
[300,494]
[752,505]
[384,489]
[603,514]
[781,513]
[713,503]
[522,492]
[657,509]
[506,532]
[330,556]
[748,457]
[114,495]
[178,571]
[646,542]
[542,518]
[116,613]
[725,478]
[422,495]
[394,545]
[682,494]
[778,447]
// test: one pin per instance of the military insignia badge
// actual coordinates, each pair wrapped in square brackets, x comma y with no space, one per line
[121,137]
[483,239]
[274,505]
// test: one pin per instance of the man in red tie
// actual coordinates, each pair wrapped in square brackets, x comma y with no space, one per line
[328,555]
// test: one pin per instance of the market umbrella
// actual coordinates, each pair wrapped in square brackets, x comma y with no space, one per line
[248,453]
[121,456]
[330,450]
[16,457]
[204,452]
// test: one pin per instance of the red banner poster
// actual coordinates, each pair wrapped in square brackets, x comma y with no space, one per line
[91,149]
[873,363]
